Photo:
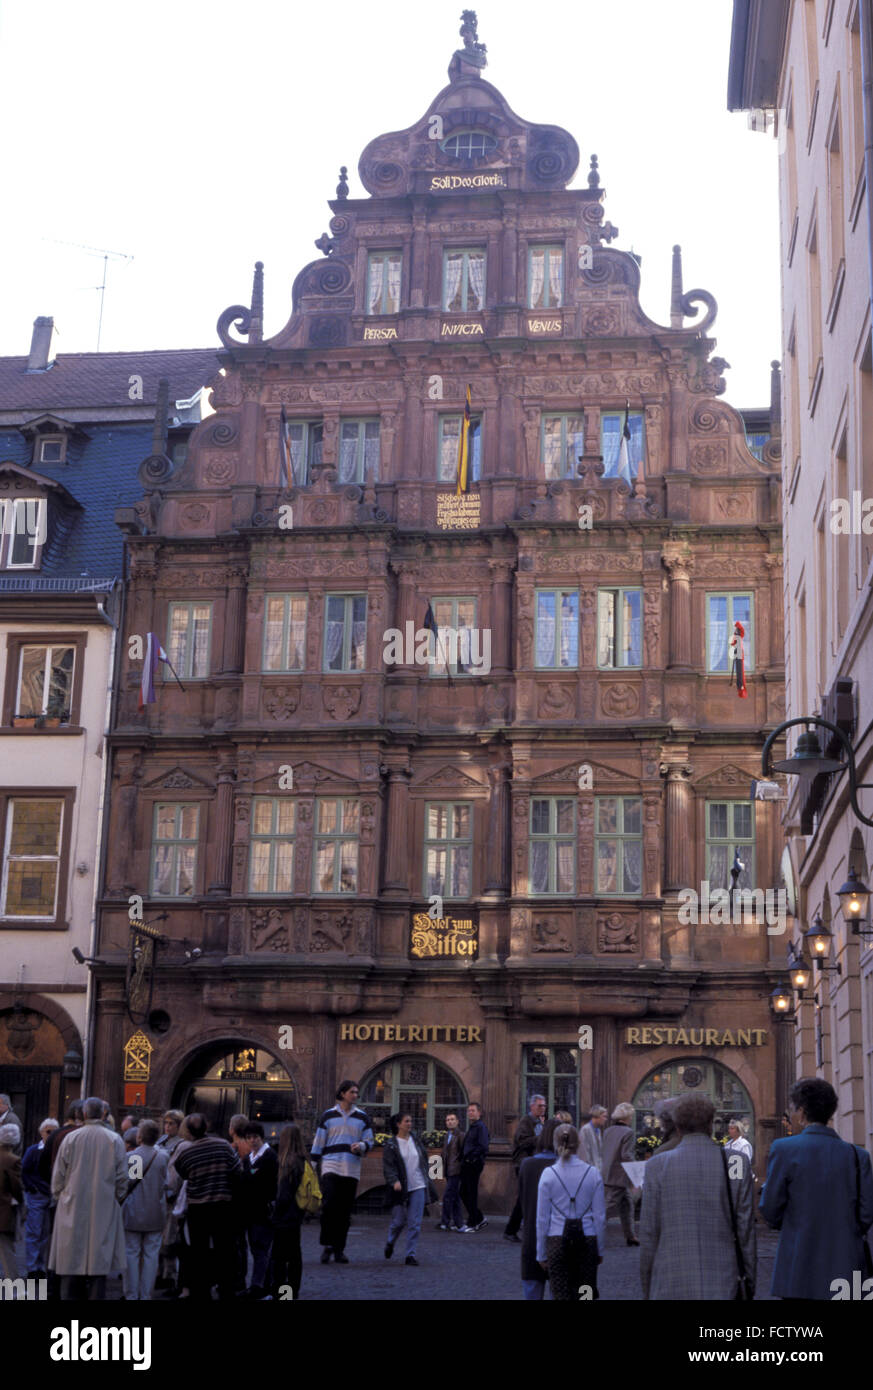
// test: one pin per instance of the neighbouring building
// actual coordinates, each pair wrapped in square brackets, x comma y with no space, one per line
[804,63]
[73,429]
[427,857]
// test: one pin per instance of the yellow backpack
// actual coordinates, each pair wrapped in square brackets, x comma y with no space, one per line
[308,1194]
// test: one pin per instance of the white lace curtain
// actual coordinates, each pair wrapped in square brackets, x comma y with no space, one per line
[476,283]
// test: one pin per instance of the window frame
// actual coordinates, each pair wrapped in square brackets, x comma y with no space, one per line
[564,416]
[186,673]
[621,836]
[469,154]
[748,640]
[448,843]
[548,1078]
[67,795]
[618,625]
[348,623]
[632,415]
[473,438]
[466,252]
[383,253]
[361,477]
[15,641]
[309,424]
[396,1087]
[44,439]
[286,631]
[557,593]
[176,841]
[553,838]
[338,838]
[273,838]
[731,841]
[452,670]
[546,248]
[7,536]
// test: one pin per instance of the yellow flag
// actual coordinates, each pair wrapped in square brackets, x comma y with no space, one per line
[464,449]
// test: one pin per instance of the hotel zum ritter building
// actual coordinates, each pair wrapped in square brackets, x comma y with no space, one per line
[294,811]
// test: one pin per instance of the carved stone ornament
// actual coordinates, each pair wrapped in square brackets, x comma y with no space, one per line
[620,701]
[342,701]
[281,701]
[329,933]
[549,934]
[617,933]
[269,930]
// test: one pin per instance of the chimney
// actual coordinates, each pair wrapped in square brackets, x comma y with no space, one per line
[41,344]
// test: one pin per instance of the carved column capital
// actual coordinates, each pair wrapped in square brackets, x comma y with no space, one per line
[676,772]
[678,564]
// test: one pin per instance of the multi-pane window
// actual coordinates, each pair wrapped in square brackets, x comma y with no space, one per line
[305,439]
[545,277]
[469,144]
[383,282]
[32,858]
[618,844]
[722,611]
[336,845]
[730,827]
[189,637]
[455,645]
[285,632]
[557,628]
[552,845]
[563,441]
[416,1086]
[448,848]
[552,1072]
[345,632]
[45,682]
[359,451]
[619,627]
[22,532]
[449,441]
[611,432]
[174,849]
[463,282]
[271,860]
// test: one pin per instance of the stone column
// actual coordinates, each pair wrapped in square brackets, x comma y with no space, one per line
[234,621]
[679,833]
[501,615]
[120,843]
[223,836]
[680,567]
[497,861]
[396,881]
[407,572]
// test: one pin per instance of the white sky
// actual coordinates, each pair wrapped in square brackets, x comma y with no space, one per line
[199,137]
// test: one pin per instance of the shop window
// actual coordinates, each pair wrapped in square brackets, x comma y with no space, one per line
[448,849]
[416,1086]
[383,282]
[345,632]
[562,442]
[700,1076]
[449,442]
[274,821]
[730,829]
[552,845]
[722,611]
[618,844]
[190,630]
[452,648]
[552,1072]
[285,632]
[557,629]
[336,845]
[174,849]
[545,277]
[464,282]
[619,627]
[611,430]
[359,451]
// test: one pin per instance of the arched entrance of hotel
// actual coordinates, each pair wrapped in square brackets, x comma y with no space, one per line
[699,1075]
[237,1078]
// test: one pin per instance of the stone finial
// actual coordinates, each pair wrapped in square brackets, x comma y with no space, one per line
[676,314]
[342,188]
[593,173]
[775,398]
[162,410]
[256,325]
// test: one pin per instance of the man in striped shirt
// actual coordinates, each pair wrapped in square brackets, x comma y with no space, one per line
[213,1172]
[344,1135]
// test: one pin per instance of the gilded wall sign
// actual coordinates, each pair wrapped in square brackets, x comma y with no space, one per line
[451,183]
[137,1057]
[696,1037]
[443,936]
[458,513]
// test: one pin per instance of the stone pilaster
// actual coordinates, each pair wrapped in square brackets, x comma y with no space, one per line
[679,566]
[679,830]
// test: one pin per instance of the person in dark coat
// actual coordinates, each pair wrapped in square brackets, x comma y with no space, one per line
[533,1276]
[524,1143]
[287,1215]
[260,1180]
[404,1164]
[819,1196]
[618,1148]
[38,1192]
[453,1148]
[75,1118]
[476,1144]
[670,1136]
[11,1193]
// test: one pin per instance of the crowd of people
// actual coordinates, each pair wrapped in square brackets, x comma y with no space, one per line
[178,1209]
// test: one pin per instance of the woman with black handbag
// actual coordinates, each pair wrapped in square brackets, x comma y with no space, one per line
[571,1221]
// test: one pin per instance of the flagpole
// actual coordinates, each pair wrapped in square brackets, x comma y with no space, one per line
[167,662]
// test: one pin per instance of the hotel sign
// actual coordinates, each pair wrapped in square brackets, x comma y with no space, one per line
[460,183]
[411,1032]
[695,1037]
[443,936]
[458,511]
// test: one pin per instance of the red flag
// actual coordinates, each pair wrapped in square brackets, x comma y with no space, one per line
[737,654]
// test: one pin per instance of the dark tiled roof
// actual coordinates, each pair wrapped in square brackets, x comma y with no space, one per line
[79,380]
[101,475]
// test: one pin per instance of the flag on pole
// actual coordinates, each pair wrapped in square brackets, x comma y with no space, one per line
[623,468]
[153,654]
[464,448]
[286,461]
[737,653]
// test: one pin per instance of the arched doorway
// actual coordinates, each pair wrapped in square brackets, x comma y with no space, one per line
[703,1076]
[230,1078]
[37,1037]
[419,1086]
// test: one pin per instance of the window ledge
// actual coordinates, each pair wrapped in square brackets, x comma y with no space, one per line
[28,924]
[44,732]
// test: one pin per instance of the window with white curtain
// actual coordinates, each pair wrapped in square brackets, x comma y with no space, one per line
[618,844]
[545,277]
[451,648]
[563,440]
[448,848]
[730,827]
[463,281]
[557,628]
[449,440]
[174,849]
[619,627]
[611,427]
[359,451]
[337,822]
[285,632]
[305,439]
[271,854]
[345,632]
[552,845]
[45,682]
[383,282]
[188,641]
[722,611]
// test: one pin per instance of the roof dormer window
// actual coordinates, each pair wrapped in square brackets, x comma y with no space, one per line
[22,532]
[51,448]
[469,144]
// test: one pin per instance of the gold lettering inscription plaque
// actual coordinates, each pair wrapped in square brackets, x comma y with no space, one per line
[379,335]
[443,936]
[458,513]
[442,183]
[646,1036]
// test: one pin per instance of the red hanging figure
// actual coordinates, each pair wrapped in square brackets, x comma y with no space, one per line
[737,654]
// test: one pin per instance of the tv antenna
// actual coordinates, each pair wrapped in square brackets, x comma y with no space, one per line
[107,256]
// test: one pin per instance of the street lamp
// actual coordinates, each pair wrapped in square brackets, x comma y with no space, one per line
[799,970]
[820,938]
[781,1000]
[809,760]
[854,899]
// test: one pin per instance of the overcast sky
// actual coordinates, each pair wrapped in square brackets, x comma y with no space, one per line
[199,137]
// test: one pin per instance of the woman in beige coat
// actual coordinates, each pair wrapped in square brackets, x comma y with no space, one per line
[89,1181]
